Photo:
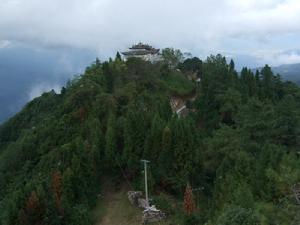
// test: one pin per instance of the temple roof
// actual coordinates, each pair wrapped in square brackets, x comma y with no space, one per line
[142,46]
[141,49]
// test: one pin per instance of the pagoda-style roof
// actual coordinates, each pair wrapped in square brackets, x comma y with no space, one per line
[142,46]
[141,49]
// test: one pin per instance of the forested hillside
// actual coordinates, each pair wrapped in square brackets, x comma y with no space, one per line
[289,72]
[238,146]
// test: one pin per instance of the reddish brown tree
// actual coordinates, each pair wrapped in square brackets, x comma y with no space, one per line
[57,189]
[189,205]
[32,213]
[82,113]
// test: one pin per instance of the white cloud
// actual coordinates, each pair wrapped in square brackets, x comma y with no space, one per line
[4,43]
[276,58]
[38,89]
[199,26]
[288,58]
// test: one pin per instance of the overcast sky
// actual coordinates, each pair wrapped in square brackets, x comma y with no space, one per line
[267,30]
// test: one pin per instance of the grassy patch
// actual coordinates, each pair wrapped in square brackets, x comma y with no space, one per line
[114,208]
[178,84]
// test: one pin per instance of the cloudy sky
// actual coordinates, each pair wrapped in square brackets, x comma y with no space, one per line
[266,30]
[71,33]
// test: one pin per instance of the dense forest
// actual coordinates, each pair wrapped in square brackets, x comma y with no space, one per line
[238,144]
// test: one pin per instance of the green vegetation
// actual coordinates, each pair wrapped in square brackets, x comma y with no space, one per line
[238,146]
[177,84]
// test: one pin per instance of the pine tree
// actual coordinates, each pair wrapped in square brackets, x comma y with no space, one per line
[118,56]
[189,205]
[153,140]
[68,185]
[166,156]
[110,139]
[231,66]
[97,62]
[57,189]
[109,77]
[33,212]
[267,82]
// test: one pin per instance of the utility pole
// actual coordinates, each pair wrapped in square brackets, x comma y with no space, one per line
[146,182]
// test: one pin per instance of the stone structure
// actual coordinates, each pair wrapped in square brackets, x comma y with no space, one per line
[150,214]
[134,197]
[143,51]
[296,191]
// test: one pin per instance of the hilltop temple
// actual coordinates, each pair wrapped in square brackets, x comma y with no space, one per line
[143,51]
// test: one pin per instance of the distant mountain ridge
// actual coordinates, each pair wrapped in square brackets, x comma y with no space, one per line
[289,72]
[25,73]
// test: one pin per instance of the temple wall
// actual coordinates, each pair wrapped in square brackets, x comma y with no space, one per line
[150,57]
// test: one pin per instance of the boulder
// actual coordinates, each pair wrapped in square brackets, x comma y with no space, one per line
[142,203]
[134,197]
[151,215]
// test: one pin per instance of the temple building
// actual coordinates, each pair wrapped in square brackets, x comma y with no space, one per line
[143,51]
